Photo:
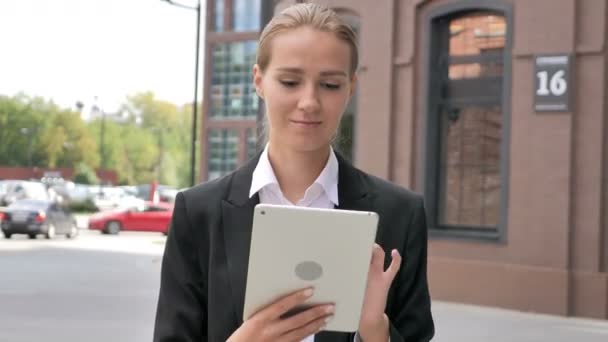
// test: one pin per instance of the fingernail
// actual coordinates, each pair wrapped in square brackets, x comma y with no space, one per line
[330,309]
[328,319]
[308,292]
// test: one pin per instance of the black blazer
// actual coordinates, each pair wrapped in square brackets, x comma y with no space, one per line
[204,268]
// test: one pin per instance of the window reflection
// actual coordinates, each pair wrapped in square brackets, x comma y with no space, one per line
[223,152]
[246,15]
[471,121]
[218,16]
[252,141]
[232,93]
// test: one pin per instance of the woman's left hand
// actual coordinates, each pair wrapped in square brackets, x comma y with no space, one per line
[374,324]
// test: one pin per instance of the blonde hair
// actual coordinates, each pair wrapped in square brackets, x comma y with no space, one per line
[306,14]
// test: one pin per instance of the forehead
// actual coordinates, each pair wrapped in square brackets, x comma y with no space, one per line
[309,49]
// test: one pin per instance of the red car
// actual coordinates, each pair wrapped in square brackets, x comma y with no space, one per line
[154,217]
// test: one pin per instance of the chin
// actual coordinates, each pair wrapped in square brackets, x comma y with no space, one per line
[308,145]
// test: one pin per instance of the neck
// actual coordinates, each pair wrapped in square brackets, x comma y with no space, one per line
[296,171]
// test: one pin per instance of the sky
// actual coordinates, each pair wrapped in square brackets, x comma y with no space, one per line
[79,50]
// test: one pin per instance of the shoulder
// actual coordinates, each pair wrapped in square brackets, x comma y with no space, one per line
[209,194]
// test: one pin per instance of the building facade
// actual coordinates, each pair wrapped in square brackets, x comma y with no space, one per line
[231,106]
[452,103]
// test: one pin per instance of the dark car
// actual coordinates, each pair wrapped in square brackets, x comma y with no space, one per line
[33,217]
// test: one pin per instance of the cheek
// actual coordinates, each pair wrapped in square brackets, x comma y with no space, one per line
[279,103]
[335,107]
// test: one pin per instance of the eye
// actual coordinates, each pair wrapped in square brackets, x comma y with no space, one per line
[289,83]
[331,86]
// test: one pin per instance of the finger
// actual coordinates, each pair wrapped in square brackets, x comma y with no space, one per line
[301,333]
[284,304]
[302,319]
[377,257]
[395,265]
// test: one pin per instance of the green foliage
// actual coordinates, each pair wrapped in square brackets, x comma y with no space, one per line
[21,120]
[86,206]
[85,175]
[153,143]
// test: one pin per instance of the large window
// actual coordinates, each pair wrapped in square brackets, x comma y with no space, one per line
[232,93]
[466,122]
[246,15]
[252,142]
[223,152]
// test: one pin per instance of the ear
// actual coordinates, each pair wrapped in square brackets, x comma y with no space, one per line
[257,81]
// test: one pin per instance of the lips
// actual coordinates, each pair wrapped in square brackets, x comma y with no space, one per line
[306,123]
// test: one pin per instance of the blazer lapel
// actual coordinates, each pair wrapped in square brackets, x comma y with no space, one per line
[237,221]
[353,191]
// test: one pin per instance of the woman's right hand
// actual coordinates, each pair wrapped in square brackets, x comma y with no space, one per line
[267,324]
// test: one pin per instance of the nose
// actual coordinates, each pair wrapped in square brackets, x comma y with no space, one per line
[309,100]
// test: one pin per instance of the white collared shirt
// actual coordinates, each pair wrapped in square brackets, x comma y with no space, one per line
[322,193]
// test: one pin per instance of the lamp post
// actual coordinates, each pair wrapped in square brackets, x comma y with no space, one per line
[196,8]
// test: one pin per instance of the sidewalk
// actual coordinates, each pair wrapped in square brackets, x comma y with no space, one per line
[466,323]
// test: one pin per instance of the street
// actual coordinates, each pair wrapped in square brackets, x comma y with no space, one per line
[95,288]
[101,288]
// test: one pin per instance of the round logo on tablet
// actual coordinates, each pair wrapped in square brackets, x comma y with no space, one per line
[309,270]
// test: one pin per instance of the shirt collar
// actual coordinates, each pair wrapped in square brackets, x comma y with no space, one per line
[263,175]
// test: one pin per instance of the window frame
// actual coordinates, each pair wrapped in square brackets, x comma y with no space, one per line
[431,149]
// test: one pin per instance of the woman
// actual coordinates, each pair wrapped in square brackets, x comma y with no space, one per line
[305,73]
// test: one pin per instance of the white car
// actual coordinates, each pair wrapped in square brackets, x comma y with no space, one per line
[106,198]
[24,190]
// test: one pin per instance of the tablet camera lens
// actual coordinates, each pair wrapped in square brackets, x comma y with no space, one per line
[309,270]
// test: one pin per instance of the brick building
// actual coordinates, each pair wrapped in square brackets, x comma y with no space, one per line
[517,198]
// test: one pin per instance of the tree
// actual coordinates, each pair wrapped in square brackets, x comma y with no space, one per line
[169,126]
[85,175]
[21,119]
[152,144]
[53,141]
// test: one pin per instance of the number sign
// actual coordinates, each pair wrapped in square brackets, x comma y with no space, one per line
[551,83]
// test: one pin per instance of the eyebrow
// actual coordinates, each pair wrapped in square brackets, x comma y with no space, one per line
[323,73]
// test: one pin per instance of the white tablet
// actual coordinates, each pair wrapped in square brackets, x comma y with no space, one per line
[296,247]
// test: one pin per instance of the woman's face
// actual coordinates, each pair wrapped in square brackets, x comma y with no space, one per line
[306,87]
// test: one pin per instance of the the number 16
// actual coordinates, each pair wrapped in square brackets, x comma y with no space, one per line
[556,87]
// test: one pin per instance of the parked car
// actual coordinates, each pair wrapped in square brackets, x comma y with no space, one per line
[153,217]
[24,190]
[166,193]
[4,186]
[33,217]
[107,198]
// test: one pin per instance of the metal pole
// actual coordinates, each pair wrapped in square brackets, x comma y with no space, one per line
[195,104]
[102,132]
